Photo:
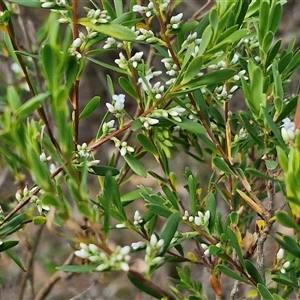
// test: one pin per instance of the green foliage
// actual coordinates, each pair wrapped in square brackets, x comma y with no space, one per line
[191,180]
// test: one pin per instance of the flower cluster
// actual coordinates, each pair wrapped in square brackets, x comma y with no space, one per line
[117,260]
[147,122]
[112,43]
[53,3]
[122,146]
[84,153]
[199,220]
[149,10]
[107,128]
[284,265]
[153,250]
[147,36]
[193,41]
[205,247]
[174,113]
[172,69]
[98,16]
[117,106]
[137,219]
[222,93]
[22,194]
[175,21]
[288,130]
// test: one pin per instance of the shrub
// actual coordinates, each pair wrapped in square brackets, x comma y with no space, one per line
[207,93]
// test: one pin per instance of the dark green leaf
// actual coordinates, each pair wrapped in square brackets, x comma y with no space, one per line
[102,170]
[234,243]
[90,107]
[12,225]
[128,87]
[142,284]
[264,292]
[133,195]
[8,244]
[146,143]
[135,165]
[192,70]
[231,273]
[253,272]
[287,220]
[169,230]
[158,210]
[192,194]
[289,244]
[222,165]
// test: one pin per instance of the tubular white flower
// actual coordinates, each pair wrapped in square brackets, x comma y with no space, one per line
[280,254]
[288,130]
[77,43]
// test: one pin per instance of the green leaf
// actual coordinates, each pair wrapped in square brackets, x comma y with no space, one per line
[77,268]
[289,244]
[275,129]
[8,244]
[32,104]
[222,165]
[231,273]
[39,220]
[102,170]
[49,199]
[12,225]
[49,63]
[128,87]
[287,220]
[90,107]
[201,104]
[283,159]
[264,292]
[29,3]
[15,258]
[253,272]
[112,193]
[134,195]
[234,243]
[189,125]
[257,173]
[13,98]
[146,143]
[169,230]
[135,165]
[158,210]
[116,31]
[143,285]
[85,210]
[192,70]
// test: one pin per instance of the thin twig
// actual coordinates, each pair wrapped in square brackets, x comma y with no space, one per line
[29,265]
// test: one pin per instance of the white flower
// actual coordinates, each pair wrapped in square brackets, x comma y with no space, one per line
[77,43]
[137,245]
[82,253]
[117,106]
[147,122]
[121,62]
[123,147]
[136,58]
[137,218]
[288,130]
[280,254]
[175,21]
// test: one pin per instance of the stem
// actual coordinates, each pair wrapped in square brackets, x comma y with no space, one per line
[74,95]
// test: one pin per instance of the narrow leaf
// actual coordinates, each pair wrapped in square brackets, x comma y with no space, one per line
[135,165]
[90,107]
